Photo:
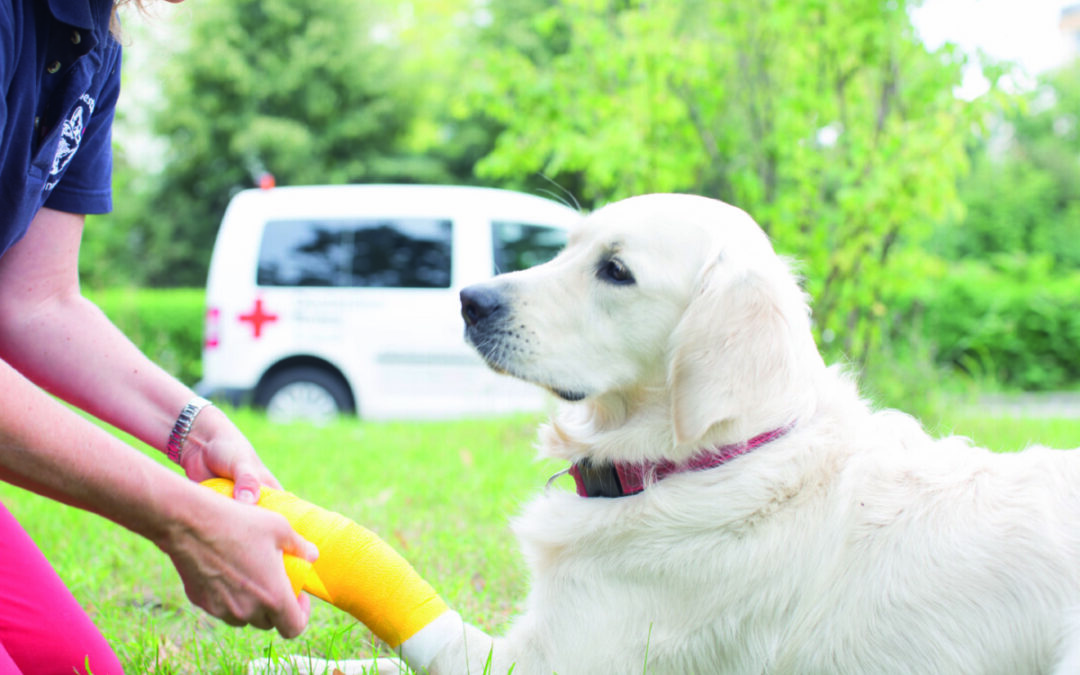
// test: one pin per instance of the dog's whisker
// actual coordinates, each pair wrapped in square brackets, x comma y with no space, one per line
[573,203]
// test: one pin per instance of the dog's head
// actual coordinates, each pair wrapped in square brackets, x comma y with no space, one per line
[670,297]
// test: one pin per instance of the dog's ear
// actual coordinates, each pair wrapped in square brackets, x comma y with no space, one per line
[735,354]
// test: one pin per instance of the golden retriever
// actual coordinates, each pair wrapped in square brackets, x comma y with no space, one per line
[745,511]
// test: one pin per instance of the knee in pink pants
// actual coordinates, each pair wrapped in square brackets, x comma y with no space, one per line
[43,629]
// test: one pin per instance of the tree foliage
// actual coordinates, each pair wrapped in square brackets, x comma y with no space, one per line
[1023,195]
[449,45]
[312,92]
[827,120]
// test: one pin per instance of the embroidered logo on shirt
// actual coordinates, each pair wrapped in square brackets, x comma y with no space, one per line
[70,137]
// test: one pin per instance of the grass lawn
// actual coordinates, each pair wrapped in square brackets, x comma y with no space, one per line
[439,492]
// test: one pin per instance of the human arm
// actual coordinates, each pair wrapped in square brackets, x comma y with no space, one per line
[227,553]
[66,345]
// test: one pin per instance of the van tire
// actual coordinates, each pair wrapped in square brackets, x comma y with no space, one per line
[304,393]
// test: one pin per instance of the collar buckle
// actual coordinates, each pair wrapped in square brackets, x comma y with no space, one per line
[597,480]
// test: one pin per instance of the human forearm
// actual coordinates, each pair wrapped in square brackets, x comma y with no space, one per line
[66,345]
[49,449]
[228,554]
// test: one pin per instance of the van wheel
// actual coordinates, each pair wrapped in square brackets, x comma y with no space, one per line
[309,394]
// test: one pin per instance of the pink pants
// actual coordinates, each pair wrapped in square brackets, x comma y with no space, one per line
[43,630]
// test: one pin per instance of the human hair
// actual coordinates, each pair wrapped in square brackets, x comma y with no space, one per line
[114,19]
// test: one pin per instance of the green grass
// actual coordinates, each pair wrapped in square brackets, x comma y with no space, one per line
[1009,434]
[439,492]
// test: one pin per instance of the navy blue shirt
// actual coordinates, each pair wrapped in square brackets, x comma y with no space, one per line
[60,72]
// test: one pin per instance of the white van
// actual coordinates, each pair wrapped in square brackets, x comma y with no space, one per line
[340,299]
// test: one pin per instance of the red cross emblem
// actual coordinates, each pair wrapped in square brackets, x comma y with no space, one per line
[258,317]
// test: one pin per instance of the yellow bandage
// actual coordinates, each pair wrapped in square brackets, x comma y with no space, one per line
[356,570]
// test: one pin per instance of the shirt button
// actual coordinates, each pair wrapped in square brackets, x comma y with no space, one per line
[76,37]
[53,68]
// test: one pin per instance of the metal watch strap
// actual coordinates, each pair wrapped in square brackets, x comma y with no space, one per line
[178,436]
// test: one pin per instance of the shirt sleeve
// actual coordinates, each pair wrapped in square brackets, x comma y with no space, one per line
[86,186]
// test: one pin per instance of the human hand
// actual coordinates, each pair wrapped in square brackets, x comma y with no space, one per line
[357,571]
[231,566]
[216,448]
[229,557]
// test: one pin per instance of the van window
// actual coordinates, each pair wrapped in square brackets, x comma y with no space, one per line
[517,246]
[403,253]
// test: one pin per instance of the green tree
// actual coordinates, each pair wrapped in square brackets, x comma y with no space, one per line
[1023,195]
[112,248]
[312,92]
[448,43]
[827,120]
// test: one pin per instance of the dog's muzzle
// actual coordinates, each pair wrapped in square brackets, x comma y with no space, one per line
[485,312]
[479,304]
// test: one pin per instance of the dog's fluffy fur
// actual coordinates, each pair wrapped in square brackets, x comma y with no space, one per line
[855,544]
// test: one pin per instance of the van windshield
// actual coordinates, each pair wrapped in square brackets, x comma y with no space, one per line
[382,253]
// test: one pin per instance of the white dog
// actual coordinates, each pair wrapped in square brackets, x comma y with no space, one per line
[744,511]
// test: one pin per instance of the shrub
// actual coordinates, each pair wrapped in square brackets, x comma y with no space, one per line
[1014,320]
[166,324]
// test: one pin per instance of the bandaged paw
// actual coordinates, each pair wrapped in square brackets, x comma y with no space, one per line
[356,571]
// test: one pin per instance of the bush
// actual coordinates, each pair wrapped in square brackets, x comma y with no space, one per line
[906,376]
[1014,320]
[166,324]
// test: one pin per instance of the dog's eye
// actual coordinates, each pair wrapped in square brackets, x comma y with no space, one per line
[614,271]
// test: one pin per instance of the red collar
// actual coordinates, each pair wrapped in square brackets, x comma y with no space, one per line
[620,479]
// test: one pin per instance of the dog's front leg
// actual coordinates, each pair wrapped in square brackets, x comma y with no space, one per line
[449,646]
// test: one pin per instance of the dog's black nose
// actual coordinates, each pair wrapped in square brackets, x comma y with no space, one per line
[479,302]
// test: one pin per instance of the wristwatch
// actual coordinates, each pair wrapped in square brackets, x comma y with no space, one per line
[178,436]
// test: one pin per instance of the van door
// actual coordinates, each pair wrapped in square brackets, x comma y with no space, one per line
[406,318]
[374,294]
